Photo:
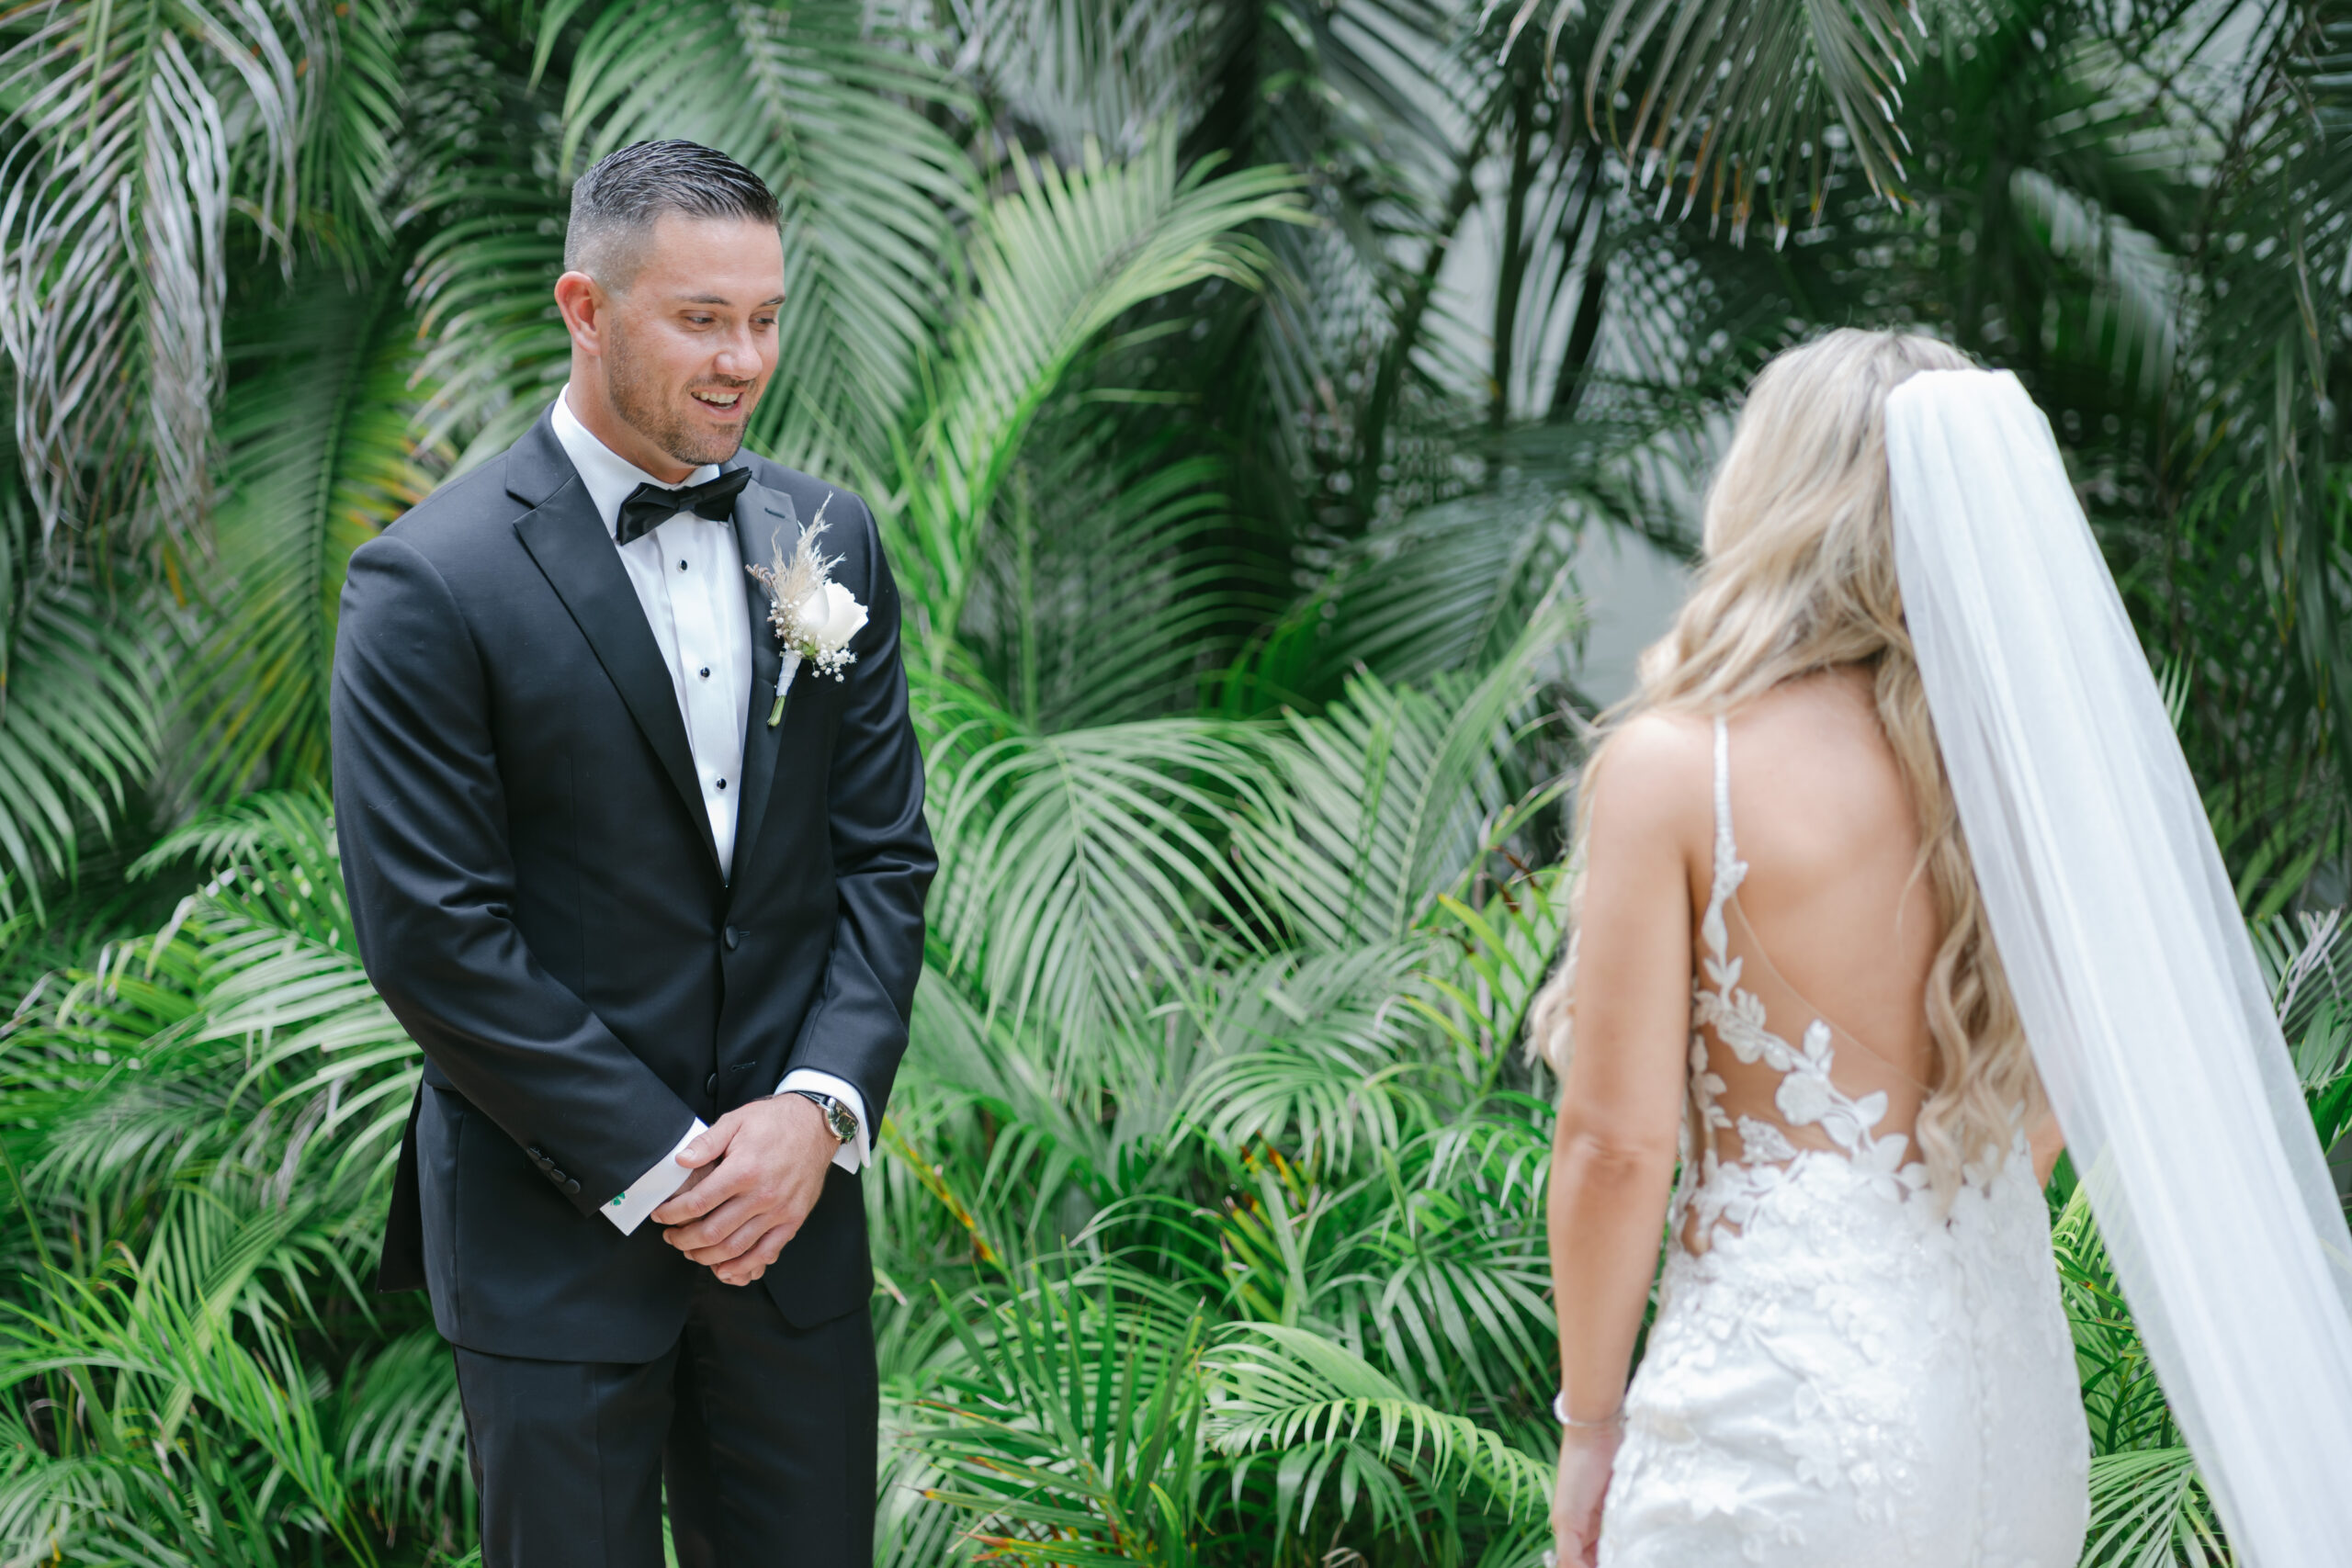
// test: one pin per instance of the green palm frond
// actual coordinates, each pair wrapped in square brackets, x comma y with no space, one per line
[831,114]
[356,159]
[1387,796]
[2134,306]
[1340,1423]
[271,855]
[2122,1399]
[1056,261]
[1081,872]
[112,1507]
[1449,588]
[1452,1282]
[1428,1261]
[84,678]
[2261,428]
[238,1050]
[1495,957]
[403,1429]
[484,293]
[321,459]
[1315,1053]
[1106,70]
[212,1110]
[486,209]
[135,130]
[1117,575]
[2149,1510]
[1740,96]
[173,1370]
[1068,1431]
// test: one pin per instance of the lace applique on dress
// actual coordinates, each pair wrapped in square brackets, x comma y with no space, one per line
[1716,1191]
[1839,1374]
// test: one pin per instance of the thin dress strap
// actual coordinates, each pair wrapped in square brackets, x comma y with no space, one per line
[1729,869]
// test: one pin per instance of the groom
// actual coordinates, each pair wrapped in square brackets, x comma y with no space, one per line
[648,889]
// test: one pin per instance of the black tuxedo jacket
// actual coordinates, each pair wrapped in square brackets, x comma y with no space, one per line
[538,897]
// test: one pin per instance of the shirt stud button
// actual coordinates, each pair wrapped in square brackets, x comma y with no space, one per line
[682,566]
[722,783]
[706,671]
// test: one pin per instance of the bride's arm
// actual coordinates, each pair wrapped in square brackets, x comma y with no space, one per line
[1613,1148]
[2047,1142]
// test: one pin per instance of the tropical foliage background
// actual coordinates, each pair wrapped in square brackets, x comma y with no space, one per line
[1244,387]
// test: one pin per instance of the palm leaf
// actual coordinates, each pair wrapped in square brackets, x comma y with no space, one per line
[82,683]
[135,130]
[1079,872]
[1117,576]
[1741,94]
[1068,1430]
[1312,1053]
[2276,255]
[321,459]
[2149,1510]
[404,1428]
[1295,1392]
[1386,798]
[1056,262]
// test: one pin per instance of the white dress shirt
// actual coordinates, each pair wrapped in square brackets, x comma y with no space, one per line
[690,581]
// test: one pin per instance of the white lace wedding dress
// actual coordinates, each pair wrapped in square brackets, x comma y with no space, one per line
[1841,1374]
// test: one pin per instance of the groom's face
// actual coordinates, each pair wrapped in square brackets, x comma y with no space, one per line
[691,338]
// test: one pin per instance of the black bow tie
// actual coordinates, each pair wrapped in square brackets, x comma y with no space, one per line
[650,506]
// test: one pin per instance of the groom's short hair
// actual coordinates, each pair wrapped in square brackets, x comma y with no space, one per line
[616,203]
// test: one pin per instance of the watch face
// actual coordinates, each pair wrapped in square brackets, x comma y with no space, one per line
[844,1125]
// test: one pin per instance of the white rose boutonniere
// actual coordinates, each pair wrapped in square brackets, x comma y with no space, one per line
[814,616]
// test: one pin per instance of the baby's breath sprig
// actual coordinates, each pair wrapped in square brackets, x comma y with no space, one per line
[813,616]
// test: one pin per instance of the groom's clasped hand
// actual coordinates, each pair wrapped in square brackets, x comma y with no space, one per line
[757,1173]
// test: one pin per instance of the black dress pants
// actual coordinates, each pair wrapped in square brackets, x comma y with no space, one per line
[761,1434]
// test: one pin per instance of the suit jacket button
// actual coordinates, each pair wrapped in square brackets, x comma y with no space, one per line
[556,1176]
[710,1085]
[733,937]
[571,1187]
[536,1155]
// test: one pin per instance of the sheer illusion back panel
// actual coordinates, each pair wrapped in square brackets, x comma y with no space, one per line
[1843,1371]
[1811,875]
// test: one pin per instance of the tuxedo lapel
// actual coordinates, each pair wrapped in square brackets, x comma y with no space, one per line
[568,541]
[765,524]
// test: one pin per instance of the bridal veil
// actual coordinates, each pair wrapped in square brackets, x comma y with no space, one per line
[2131,968]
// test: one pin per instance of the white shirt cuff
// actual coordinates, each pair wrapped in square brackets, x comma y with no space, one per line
[650,1191]
[858,1153]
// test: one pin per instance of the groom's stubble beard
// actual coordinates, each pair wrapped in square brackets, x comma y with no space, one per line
[638,399]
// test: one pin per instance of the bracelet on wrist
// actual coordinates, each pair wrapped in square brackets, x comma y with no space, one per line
[1560,1412]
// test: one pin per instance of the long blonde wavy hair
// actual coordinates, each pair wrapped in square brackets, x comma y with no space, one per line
[1798,575]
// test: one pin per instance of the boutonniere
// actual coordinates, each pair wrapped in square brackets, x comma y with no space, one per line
[814,616]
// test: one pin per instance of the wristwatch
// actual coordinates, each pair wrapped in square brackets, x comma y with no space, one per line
[839,1117]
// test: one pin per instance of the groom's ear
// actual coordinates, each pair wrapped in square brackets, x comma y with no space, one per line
[584,305]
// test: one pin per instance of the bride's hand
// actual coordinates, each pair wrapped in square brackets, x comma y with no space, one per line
[1586,1455]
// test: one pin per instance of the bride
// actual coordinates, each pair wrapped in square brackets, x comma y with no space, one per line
[1892,834]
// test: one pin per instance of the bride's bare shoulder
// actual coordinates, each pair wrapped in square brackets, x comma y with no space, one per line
[1656,776]
[1813,775]
[1815,731]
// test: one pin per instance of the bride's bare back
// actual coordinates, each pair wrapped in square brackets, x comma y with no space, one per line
[1846,1365]
[1828,929]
